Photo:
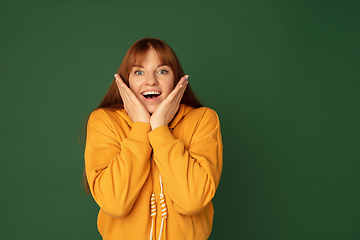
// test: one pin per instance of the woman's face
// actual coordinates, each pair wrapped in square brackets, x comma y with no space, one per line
[151,82]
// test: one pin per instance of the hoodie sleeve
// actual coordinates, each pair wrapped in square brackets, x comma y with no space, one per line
[117,165]
[190,174]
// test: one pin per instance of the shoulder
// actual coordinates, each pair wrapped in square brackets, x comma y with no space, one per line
[99,115]
[202,114]
[202,122]
[107,117]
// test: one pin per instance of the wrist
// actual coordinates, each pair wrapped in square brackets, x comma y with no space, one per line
[144,120]
[156,125]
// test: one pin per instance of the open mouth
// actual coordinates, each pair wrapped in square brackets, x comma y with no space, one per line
[151,94]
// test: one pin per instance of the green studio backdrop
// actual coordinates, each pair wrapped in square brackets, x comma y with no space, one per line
[282,75]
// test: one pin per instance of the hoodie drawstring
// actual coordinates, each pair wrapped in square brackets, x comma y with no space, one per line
[163,209]
[153,212]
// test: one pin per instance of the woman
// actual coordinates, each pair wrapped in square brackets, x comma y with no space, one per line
[153,155]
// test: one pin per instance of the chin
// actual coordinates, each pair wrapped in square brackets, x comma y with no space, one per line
[151,109]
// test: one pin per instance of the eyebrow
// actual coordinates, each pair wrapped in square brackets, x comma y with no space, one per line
[140,66]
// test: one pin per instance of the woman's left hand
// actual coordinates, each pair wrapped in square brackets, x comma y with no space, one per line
[167,109]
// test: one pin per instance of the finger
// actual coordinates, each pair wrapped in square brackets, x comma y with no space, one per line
[178,87]
[182,81]
[124,87]
[181,88]
[124,90]
[119,82]
[180,95]
[121,85]
[185,83]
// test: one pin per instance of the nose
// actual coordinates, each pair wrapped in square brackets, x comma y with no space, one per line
[151,80]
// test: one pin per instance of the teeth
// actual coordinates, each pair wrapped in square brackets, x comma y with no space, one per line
[150,93]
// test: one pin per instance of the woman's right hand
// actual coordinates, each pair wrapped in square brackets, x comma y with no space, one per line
[134,108]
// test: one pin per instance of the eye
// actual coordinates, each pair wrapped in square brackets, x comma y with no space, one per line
[163,71]
[137,72]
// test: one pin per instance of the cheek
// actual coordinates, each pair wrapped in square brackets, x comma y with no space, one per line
[169,87]
[171,84]
[133,86]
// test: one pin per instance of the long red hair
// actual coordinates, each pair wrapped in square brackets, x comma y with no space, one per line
[136,55]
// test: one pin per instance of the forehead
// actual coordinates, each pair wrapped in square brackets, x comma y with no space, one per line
[148,56]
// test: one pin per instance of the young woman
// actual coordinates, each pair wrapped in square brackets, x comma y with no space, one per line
[153,155]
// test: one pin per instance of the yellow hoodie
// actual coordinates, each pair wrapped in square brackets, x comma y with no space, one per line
[179,167]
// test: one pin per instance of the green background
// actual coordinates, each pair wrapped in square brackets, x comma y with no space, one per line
[282,75]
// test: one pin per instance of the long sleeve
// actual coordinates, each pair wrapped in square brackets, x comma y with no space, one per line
[190,173]
[117,161]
